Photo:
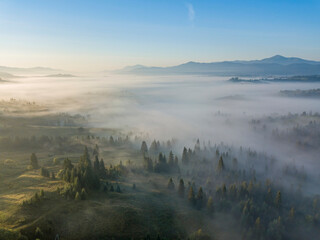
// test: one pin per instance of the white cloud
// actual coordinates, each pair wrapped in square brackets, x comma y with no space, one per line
[191,13]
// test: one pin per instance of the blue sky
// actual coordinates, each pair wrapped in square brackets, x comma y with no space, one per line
[97,35]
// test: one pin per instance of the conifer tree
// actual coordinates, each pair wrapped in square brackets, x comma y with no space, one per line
[291,214]
[41,193]
[191,196]
[176,161]
[34,161]
[96,165]
[185,158]
[170,184]
[144,148]
[171,159]
[220,165]
[278,200]
[77,197]
[111,141]
[210,206]
[102,169]
[200,198]
[83,194]
[181,188]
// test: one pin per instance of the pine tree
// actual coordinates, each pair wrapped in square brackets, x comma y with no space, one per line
[41,193]
[77,197]
[197,146]
[278,200]
[118,190]
[210,206]
[171,159]
[38,233]
[96,151]
[111,141]
[257,228]
[200,198]
[176,161]
[34,161]
[154,147]
[144,148]
[220,165]
[224,191]
[96,165]
[185,158]
[102,169]
[83,194]
[191,196]
[291,214]
[181,188]
[170,184]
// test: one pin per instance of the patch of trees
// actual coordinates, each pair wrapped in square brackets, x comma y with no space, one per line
[81,178]
[231,181]
[162,164]
[156,147]
[59,144]
[34,161]
[35,199]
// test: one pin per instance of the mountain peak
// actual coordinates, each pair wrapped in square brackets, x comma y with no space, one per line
[278,57]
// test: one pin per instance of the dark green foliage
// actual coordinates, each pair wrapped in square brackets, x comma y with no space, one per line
[181,188]
[210,206]
[44,172]
[34,161]
[35,199]
[67,164]
[102,169]
[191,196]
[144,148]
[278,201]
[185,157]
[96,165]
[111,141]
[162,166]
[200,198]
[83,194]
[220,167]
[154,147]
[77,197]
[95,151]
[171,159]
[83,176]
[38,233]
[170,184]
[147,163]
[41,194]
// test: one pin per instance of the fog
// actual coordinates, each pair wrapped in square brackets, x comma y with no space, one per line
[166,107]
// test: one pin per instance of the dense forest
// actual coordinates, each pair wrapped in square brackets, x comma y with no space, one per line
[211,180]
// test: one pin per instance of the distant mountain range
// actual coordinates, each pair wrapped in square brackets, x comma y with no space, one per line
[34,70]
[273,66]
